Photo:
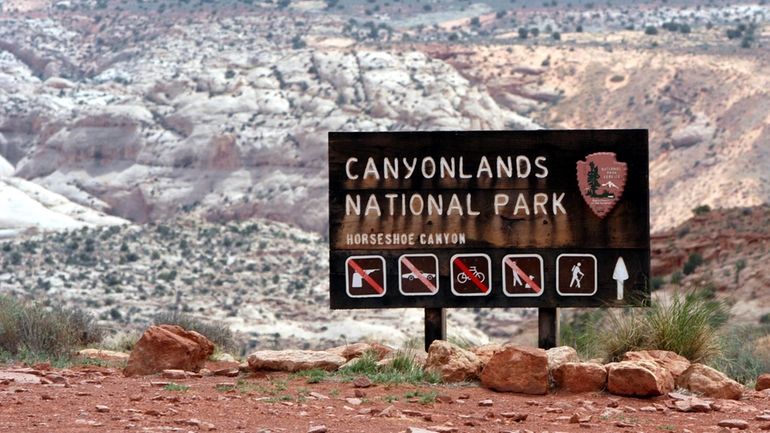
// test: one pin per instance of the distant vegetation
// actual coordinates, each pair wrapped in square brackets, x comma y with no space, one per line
[692,324]
[31,332]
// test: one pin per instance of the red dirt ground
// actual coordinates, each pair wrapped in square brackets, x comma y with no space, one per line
[278,402]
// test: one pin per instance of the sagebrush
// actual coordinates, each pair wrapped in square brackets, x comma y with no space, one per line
[30,330]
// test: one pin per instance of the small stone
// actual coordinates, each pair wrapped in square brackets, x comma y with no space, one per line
[443,398]
[624,424]
[734,423]
[419,430]
[390,412]
[354,401]
[46,397]
[647,409]
[362,382]
[574,419]
[317,429]
[135,397]
[763,417]
[613,403]
[550,409]
[226,372]
[514,416]
[611,413]
[359,393]
[102,408]
[173,374]
[443,429]
[318,396]
[486,403]
[677,396]
[692,405]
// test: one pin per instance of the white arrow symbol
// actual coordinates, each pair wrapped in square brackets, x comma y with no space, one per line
[620,275]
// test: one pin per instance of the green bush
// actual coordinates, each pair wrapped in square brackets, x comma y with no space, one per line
[693,261]
[740,358]
[581,332]
[28,330]
[403,368]
[685,324]
[701,210]
[220,334]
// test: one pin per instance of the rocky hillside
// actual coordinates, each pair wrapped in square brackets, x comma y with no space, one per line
[225,116]
[204,124]
[726,251]
[268,281]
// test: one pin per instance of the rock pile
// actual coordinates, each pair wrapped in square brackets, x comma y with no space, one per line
[178,354]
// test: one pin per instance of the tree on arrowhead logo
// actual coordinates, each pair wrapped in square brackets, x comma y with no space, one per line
[601,179]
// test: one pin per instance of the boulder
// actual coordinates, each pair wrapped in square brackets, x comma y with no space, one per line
[103,355]
[453,363]
[709,383]
[638,379]
[580,377]
[485,352]
[560,355]
[763,382]
[674,363]
[517,369]
[294,360]
[167,347]
[355,350]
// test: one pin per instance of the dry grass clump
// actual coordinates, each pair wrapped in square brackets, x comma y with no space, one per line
[30,331]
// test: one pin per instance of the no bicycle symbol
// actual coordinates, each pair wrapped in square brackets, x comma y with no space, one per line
[418,274]
[471,274]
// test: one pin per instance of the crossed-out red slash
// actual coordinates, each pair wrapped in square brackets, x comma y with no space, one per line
[471,275]
[532,284]
[360,271]
[420,276]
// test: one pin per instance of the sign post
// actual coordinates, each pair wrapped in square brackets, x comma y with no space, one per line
[437,220]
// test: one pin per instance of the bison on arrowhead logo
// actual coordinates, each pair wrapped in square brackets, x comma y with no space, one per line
[601,179]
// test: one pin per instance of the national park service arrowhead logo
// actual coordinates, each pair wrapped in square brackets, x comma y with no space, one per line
[601,179]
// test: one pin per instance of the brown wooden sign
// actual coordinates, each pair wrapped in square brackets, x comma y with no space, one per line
[489,219]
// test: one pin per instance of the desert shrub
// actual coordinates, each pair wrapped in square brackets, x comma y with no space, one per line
[402,368]
[581,332]
[685,324]
[650,30]
[28,330]
[676,278]
[219,334]
[692,263]
[656,282]
[701,210]
[741,359]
